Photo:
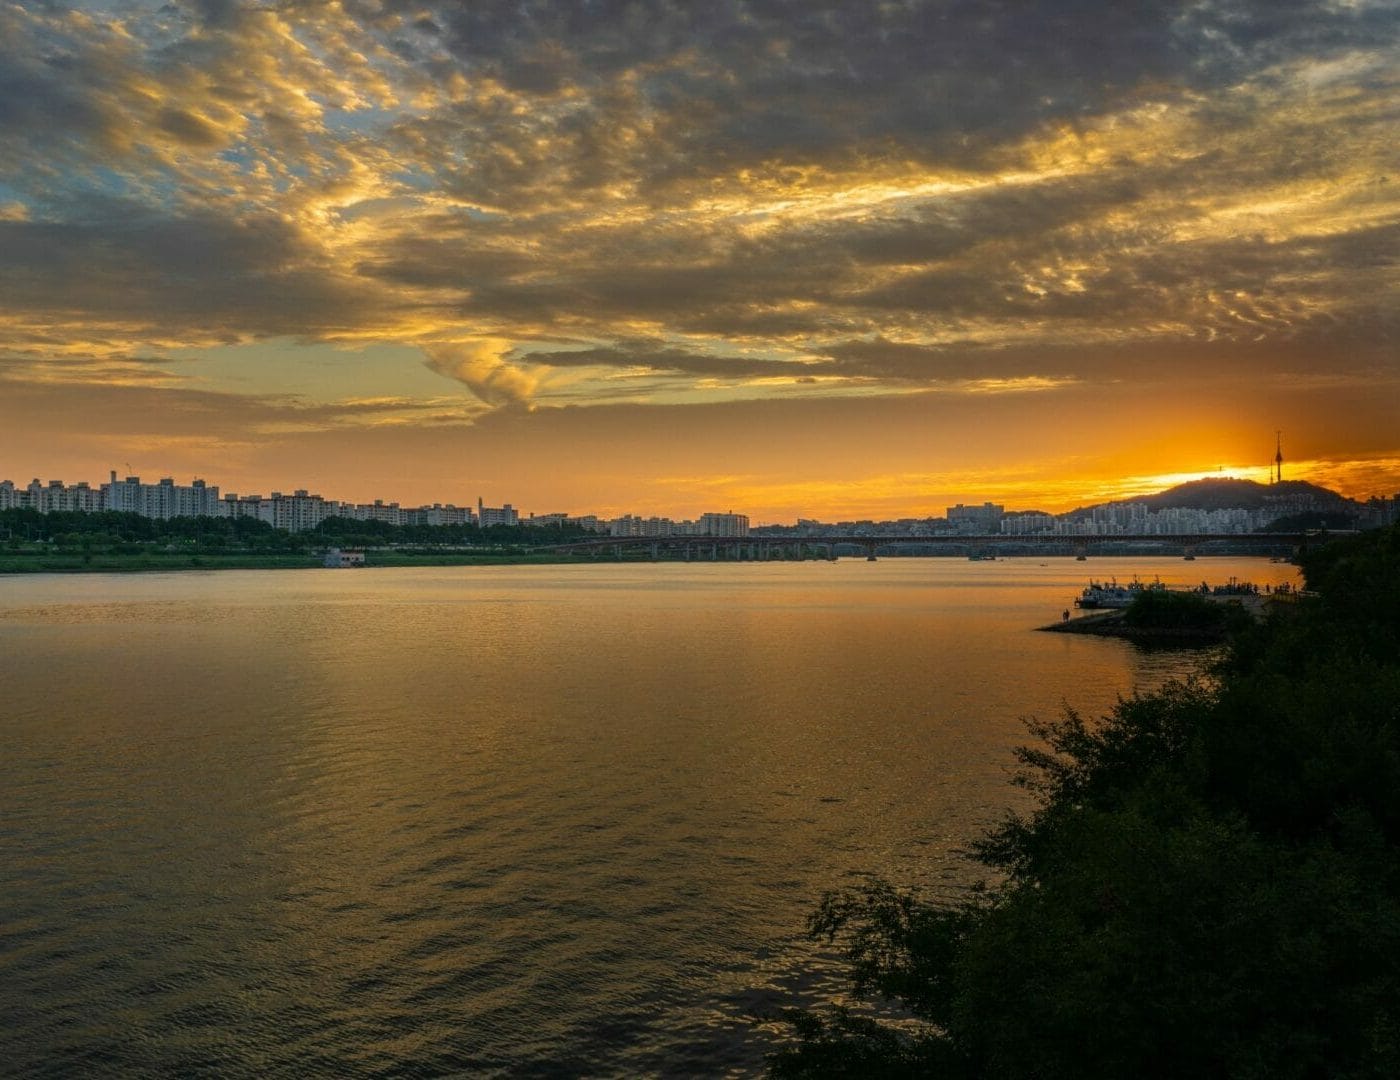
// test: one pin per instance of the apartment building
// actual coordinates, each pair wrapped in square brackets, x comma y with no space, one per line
[724,524]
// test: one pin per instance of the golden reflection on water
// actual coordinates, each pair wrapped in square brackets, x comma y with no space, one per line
[485,818]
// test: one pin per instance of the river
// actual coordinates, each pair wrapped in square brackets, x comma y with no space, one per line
[537,820]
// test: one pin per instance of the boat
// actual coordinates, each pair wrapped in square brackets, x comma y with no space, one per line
[1113,595]
[981,557]
[339,559]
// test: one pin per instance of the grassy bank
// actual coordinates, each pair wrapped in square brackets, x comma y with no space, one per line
[525,558]
[102,562]
[76,563]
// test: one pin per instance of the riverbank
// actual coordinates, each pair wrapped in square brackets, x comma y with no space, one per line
[105,563]
[1185,620]
[1115,625]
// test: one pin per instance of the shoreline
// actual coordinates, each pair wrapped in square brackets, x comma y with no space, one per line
[16,563]
[15,566]
[1111,624]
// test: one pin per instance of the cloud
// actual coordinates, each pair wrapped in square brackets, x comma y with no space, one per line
[480,367]
[755,193]
[657,356]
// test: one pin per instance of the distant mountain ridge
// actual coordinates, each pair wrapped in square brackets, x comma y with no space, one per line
[1229,493]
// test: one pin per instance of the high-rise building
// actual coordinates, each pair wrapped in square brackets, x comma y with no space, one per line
[730,524]
[300,511]
[496,515]
[976,519]
[438,514]
[163,500]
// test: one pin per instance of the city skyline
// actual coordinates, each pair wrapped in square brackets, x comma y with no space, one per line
[298,508]
[655,258]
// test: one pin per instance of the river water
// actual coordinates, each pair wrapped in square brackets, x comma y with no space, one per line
[524,821]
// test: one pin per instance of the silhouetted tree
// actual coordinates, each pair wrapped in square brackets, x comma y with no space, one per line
[1209,884]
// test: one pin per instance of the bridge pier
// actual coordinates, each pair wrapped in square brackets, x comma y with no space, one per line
[798,548]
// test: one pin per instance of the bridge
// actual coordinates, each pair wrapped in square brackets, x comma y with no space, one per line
[763,548]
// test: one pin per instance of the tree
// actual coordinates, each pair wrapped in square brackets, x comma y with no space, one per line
[1209,884]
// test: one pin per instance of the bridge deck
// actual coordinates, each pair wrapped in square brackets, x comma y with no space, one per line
[995,540]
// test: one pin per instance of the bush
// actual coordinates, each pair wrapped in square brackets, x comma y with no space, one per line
[1209,884]
[1161,609]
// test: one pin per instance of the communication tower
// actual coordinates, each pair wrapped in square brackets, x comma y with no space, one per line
[1278,458]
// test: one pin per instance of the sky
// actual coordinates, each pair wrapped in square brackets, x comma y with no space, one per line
[833,260]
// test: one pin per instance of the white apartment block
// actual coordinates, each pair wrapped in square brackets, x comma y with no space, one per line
[1029,523]
[438,514]
[496,515]
[632,525]
[81,498]
[1118,518]
[976,519]
[50,497]
[298,511]
[246,506]
[389,513]
[163,500]
[724,525]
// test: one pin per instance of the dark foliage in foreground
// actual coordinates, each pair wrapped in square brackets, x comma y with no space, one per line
[1160,609]
[1209,885]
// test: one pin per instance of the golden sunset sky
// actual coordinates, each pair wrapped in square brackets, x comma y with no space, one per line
[788,258]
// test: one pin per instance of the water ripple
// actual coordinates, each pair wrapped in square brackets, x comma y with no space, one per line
[497,823]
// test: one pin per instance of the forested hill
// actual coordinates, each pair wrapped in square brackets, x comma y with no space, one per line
[1229,493]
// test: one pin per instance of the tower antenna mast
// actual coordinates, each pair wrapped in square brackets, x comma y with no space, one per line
[1278,457]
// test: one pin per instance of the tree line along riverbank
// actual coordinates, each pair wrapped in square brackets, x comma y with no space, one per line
[112,541]
[1166,617]
[1208,885]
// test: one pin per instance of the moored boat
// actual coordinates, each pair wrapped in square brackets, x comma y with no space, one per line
[1113,595]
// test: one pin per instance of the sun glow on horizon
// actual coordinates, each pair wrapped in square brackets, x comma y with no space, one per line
[1130,487]
[812,263]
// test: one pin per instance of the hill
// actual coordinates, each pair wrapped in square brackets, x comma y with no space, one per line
[1229,493]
